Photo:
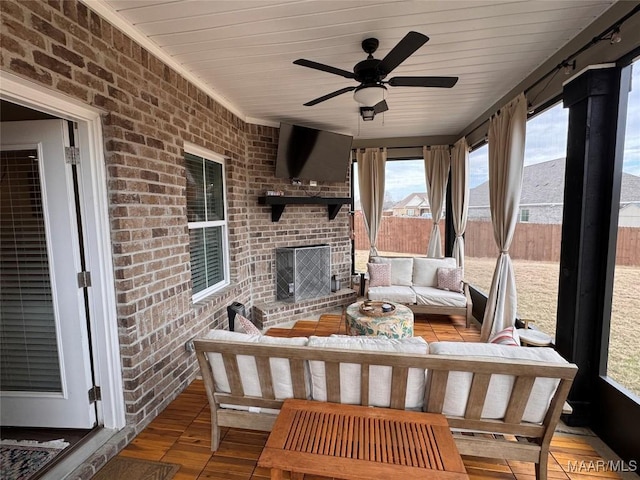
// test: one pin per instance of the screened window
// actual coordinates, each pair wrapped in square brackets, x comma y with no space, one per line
[535,248]
[624,354]
[403,232]
[207,223]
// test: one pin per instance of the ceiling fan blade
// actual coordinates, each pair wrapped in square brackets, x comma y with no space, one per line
[324,68]
[411,42]
[380,107]
[442,82]
[329,95]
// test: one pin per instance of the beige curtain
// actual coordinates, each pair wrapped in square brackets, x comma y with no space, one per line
[506,160]
[437,160]
[371,163]
[459,196]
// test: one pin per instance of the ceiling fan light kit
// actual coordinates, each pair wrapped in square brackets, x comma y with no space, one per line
[369,95]
[370,73]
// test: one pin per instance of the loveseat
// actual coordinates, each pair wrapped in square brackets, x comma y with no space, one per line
[483,388]
[414,282]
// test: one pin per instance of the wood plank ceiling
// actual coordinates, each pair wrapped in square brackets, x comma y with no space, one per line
[244,49]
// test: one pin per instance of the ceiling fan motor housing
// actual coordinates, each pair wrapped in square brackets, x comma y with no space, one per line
[367,71]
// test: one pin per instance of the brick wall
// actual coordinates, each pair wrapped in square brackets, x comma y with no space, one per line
[299,225]
[150,111]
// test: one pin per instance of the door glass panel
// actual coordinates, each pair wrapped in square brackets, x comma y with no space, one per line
[624,342]
[28,346]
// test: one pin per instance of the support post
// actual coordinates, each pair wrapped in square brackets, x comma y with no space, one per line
[584,305]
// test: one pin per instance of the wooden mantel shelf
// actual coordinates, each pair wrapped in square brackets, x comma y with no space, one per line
[279,202]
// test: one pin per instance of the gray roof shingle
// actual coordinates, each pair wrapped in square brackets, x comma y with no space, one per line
[544,183]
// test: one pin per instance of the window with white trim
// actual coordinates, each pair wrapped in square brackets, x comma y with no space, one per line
[207,221]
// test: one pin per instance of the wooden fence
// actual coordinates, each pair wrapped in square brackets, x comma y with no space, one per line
[532,241]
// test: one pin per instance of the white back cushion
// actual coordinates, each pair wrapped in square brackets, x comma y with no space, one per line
[379,376]
[280,370]
[500,386]
[425,270]
[401,269]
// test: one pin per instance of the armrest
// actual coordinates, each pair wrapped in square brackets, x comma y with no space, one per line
[366,287]
[467,293]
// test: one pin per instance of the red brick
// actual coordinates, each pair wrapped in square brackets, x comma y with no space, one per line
[68,55]
[73,89]
[27,69]
[100,72]
[17,29]
[12,9]
[52,64]
[11,45]
[47,29]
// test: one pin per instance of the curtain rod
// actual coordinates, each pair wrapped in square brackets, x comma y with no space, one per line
[566,62]
[595,40]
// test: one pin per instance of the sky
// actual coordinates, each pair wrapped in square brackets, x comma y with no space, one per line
[546,140]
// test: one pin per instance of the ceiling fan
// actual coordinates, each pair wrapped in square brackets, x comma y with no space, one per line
[372,72]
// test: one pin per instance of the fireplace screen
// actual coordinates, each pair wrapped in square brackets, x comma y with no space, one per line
[303,273]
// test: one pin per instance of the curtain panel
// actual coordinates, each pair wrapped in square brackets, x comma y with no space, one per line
[437,161]
[507,132]
[459,196]
[371,165]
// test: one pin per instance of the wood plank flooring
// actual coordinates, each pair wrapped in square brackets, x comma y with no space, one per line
[181,433]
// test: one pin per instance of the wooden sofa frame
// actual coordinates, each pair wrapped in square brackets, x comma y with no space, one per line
[467,310]
[538,436]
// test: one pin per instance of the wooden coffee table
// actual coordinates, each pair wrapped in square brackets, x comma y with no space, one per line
[360,443]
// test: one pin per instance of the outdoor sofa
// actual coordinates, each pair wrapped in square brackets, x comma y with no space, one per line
[414,282]
[509,392]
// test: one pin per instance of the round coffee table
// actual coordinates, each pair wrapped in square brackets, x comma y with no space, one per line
[399,324]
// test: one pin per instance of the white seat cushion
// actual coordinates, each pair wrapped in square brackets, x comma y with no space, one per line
[394,293]
[379,376]
[442,298]
[425,270]
[500,387]
[401,269]
[280,370]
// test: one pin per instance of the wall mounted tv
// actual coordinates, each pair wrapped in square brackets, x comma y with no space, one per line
[310,154]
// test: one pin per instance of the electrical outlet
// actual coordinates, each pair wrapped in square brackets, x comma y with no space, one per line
[313,183]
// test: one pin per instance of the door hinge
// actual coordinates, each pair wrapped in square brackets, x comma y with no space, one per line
[72,155]
[94,394]
[84,279]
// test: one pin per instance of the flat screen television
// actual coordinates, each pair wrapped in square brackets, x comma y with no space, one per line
[309,154]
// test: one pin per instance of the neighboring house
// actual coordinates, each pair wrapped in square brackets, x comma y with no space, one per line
[413,205]
[629,215]
[543,195]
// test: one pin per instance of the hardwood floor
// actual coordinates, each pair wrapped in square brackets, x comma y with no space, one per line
[181,434]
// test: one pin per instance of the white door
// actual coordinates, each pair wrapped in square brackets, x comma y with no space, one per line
[45,369]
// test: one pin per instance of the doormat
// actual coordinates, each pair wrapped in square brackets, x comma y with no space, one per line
[20,460]
[135,469]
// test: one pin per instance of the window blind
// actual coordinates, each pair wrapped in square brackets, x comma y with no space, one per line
[29,350]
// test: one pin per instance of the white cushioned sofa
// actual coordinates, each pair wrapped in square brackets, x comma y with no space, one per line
[487,388]
[414,282]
